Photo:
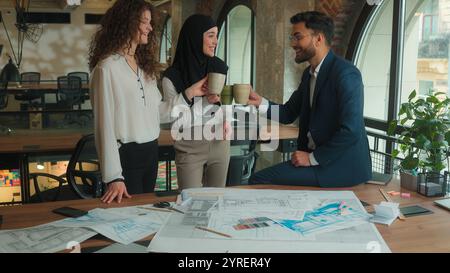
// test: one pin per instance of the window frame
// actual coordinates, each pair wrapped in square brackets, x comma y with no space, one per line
[223,20]
[367,15]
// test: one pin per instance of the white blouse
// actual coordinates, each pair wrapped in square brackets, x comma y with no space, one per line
[201,109]
[127,107]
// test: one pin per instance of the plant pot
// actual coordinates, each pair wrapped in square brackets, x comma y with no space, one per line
[432,184]
[408,181]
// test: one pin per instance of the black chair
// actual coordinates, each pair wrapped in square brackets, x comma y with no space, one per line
[242,166]
[4,103]
[59,193]
[82,179]
[69,91]
[69,94]
[83,171]
[3,95]
[84,76]
[29,95]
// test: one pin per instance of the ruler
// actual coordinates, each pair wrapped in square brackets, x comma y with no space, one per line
[388,198]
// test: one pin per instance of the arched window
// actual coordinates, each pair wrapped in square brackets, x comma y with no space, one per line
[403,46]
[166,42]
[400,46]
[236,42]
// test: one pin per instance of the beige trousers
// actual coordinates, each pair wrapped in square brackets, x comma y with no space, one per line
[202,163]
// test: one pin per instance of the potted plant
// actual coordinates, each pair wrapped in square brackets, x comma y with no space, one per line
[424,141]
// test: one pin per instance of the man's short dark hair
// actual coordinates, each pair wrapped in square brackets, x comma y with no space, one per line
[316,21]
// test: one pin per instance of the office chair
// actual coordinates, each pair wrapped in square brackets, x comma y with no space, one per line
[242,166]
[83,171]
[84,76]
[4,104]
[68,95]
[29,95]
[82,179]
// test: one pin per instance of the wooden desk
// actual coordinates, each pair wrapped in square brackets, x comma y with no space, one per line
[426,233]
[25,143]
[49,87]
[22,141]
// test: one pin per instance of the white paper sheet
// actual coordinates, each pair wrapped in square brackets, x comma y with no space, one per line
[120,227]
[41,239]
[175,236]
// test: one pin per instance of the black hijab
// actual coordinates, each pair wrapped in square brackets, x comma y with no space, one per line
[191,64]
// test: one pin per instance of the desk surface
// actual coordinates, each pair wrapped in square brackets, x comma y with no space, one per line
[42,86]
[426,233]
[23,141]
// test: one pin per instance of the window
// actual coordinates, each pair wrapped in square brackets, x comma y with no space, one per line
[425,65]
[166,42]
[373,59]
[235,44]
[422,61]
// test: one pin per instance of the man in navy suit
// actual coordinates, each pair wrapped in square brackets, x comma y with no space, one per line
[333,149]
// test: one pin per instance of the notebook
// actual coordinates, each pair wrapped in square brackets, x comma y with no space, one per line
[380,179]
[443,203]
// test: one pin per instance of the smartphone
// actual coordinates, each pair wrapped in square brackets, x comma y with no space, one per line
[414,211]
[166,193]
[70,212]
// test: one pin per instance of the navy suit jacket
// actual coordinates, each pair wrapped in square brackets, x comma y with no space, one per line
[335,120]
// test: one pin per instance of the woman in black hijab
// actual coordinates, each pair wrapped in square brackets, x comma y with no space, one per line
[200,162]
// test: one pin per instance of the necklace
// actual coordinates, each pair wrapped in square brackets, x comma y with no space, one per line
[141,87]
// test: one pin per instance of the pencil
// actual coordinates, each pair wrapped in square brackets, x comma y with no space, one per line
[213,231]
[156,209]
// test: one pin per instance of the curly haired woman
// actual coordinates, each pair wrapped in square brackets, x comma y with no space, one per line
[125,99]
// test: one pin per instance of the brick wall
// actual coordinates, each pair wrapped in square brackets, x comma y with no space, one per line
[344,13]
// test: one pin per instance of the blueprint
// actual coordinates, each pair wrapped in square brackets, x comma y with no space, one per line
[41,239]
[123,225]
[299,221]
[325,219]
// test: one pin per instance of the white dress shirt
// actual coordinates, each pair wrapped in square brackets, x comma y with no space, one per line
[127,107]
[312,86]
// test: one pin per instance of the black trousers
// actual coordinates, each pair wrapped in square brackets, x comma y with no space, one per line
[139,166]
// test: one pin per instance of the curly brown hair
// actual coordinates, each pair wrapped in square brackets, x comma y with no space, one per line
[117,28]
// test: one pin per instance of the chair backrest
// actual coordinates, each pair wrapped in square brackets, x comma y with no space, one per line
[30,77]
[3,95]
[243,165]
[84,76]
[69,90]
[83,171]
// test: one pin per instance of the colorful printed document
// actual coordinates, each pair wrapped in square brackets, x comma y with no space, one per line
[327,218]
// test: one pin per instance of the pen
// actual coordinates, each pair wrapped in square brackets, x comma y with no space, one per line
[174,209]
[213,231]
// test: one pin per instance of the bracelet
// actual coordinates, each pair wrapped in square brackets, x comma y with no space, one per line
[116,180]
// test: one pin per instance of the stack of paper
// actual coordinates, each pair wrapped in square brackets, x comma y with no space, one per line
[386,213]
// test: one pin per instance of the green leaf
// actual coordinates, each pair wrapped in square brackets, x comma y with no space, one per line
[392,127]
[403,121]
[432,99]
[422,142]
[395,153]
[410,163]
[412,95]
